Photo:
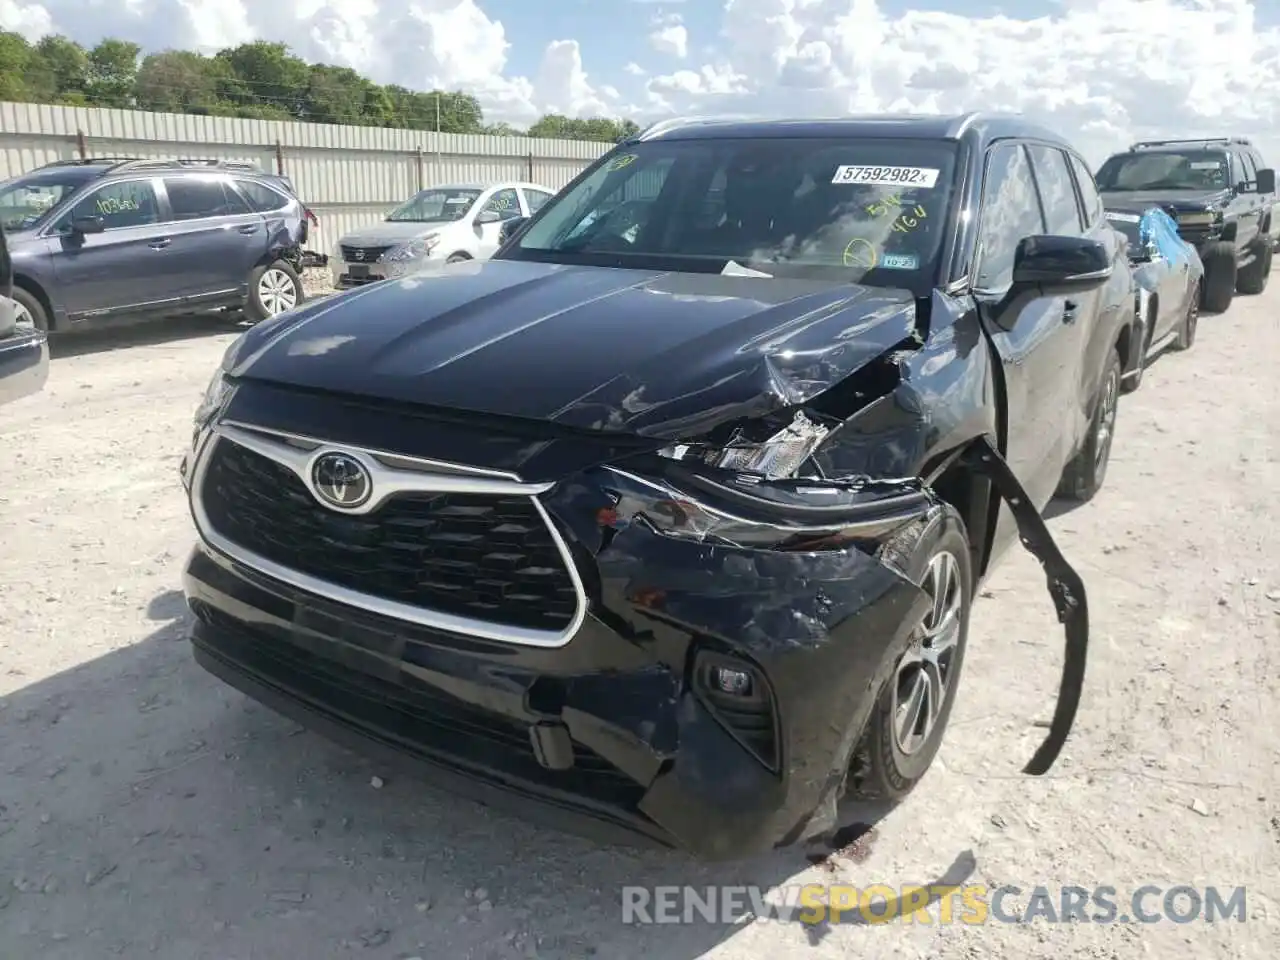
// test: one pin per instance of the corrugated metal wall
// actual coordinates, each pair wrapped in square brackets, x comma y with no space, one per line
[350,176]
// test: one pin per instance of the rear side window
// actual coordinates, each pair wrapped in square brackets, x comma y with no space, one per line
[536,200]
[1093,208]
[1010,212]
[1057,191]
[261,197]
[196,198]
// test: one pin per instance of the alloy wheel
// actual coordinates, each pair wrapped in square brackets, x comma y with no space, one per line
[276,292]
[924,672]
[1106,423]
[22,317]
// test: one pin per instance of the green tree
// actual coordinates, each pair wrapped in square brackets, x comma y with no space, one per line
[59,71]
[263,74]
[15,56]
[176,81]
[559,127]
[113,72]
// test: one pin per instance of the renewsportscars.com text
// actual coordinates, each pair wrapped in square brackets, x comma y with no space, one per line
[971,904]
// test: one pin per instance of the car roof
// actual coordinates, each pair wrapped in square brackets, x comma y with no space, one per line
[475,185]
[982,127]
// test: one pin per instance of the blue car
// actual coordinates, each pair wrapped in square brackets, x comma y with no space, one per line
[105,239]
[1167,275]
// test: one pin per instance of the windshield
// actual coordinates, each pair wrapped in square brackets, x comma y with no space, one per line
[853,210]
[24,201]
[435,205]
[1191,170]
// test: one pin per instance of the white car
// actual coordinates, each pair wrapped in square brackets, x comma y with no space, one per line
[439,225]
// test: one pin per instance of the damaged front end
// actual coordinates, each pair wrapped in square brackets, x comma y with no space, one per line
[682,639]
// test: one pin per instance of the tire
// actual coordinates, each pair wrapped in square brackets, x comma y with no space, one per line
[890,760]
[1187,329]
[273,289]
[457,258]
[1085,474]
[1252,280]
[31,312]
[1220,269]
[1140,370]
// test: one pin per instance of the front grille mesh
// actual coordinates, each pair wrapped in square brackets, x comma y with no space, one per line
[489,558]
[362,254]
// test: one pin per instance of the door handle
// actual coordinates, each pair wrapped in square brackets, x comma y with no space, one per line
[1069,311]
[249,228]
[160,243]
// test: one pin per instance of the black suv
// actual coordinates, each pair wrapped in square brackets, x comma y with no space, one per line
[1222,195]
[671,515]
[99,239]
[24,353]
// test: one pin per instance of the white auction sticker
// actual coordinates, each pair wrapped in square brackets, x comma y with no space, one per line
[887,176]
[1206,165]
[1123,217]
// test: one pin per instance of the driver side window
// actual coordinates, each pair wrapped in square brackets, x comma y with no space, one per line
[504,203]
[1010,212]
[127,203]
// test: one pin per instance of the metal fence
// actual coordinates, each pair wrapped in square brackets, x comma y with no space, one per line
[349,176]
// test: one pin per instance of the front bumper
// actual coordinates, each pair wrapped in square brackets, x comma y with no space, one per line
[24,364]
[347,276]
[612,733]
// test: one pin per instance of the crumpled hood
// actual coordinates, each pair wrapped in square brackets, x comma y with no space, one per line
[661,355]
[389,232]
[1190,200]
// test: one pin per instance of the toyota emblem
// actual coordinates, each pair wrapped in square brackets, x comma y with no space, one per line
[341,481]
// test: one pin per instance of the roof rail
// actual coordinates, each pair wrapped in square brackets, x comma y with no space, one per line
[1143,144]
[137,163]
[82,162]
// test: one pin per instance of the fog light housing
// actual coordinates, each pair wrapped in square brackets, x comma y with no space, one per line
[731,682]
[738,696]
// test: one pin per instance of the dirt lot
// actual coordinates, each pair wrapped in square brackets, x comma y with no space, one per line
[145,809]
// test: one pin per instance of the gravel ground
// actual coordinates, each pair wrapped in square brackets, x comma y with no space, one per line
[145,809]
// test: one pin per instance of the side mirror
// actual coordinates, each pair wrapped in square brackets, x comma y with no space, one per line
[1060,265]
[88,225]
[511,228]
[1266,181]
[487,216]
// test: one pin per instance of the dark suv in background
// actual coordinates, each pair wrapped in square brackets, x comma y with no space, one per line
[109,237]
[1222,195]
[24,353]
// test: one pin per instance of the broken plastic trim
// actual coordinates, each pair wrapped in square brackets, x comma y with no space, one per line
[1065,587]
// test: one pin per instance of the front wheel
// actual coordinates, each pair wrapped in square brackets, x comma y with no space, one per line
[29,313]
[1085,474]
[910,717]
[1187,329]
[273,289]
[1220,271]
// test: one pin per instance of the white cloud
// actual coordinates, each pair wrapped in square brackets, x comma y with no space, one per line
[1099,71]
[669,36]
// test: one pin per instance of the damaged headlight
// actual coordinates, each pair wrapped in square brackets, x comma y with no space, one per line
[781,455]
[413,250]
[215,395]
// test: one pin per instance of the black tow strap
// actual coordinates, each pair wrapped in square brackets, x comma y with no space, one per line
[1065,586]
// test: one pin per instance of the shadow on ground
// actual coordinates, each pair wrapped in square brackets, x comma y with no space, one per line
[138,333]
[146,809]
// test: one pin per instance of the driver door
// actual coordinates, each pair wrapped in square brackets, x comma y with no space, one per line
[505,202]
[1036,340]
[128,265]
